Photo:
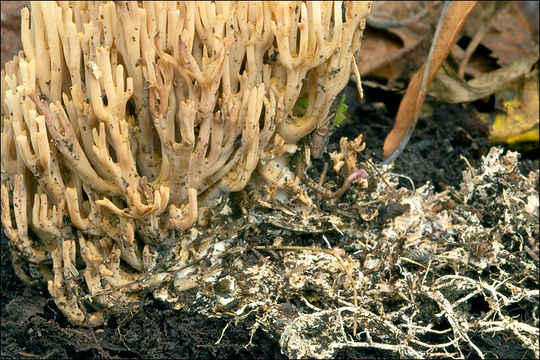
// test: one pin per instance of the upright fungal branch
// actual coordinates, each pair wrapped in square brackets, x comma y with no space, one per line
[122,120]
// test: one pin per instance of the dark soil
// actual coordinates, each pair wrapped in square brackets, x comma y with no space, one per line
[33,327]
[438,144]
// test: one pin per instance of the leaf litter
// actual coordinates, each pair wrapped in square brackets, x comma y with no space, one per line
[446,271]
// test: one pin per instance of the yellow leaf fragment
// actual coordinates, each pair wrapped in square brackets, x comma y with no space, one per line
[518,119]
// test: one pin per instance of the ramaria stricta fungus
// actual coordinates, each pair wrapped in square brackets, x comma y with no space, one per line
[122,121]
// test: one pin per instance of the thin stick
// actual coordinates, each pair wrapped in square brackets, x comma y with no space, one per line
[74,288]
[322,178]
[370,163]
[358,79]
[328,194]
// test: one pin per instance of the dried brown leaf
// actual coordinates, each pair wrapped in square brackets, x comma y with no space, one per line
[510,35]
[395,40]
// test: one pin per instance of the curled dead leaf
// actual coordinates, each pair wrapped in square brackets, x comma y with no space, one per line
[448,87]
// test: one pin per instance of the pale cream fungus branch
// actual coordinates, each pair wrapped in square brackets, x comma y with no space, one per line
[123,123]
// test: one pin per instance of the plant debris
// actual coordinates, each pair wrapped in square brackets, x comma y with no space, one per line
[449,270]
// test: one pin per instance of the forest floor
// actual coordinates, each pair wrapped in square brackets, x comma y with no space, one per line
[32,326]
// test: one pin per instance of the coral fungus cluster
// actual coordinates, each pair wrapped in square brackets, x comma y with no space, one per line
[121,120]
